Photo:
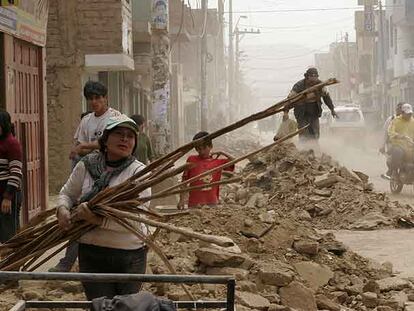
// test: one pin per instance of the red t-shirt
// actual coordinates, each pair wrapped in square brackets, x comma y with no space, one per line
[209,195]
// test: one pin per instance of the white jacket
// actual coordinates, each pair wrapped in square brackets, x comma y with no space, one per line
[109,234]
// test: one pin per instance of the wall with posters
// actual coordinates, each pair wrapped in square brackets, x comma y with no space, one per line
[26,21]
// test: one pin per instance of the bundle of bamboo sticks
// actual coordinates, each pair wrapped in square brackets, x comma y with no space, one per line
[26,250]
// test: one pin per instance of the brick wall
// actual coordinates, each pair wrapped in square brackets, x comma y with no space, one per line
[76,28]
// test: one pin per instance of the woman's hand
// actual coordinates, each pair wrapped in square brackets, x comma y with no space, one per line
[82,212]
[6,206]
[63,216]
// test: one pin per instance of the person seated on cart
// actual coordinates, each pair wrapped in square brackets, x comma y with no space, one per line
[401,136]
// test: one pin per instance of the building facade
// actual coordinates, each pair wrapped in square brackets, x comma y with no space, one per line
[111,41]
[340,62]
[187,25]
[23,93]
[400,51]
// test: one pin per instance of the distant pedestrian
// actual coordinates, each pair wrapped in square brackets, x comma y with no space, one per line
[309,112]
[10,178]
[143,152]
[288,126]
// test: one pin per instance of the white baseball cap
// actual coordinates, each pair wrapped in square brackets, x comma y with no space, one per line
[407,109]
[121,121]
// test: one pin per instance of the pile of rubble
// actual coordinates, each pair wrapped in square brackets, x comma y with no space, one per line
[313,189]
[238,143]
[41,291]
[279,264]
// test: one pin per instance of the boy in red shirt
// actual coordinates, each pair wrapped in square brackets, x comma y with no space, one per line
[204,161]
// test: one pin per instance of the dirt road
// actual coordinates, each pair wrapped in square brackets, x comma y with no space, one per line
[365,158]
[395,246]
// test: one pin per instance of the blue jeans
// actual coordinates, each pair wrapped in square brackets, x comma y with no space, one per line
[96,259]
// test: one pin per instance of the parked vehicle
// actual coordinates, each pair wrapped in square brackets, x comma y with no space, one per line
[349,126]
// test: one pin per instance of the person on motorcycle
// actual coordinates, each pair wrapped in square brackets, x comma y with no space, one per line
[385,146]
[401,135]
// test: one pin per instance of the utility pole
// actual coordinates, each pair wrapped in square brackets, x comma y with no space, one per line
[237,63]
[383,64]
[239,35]
[204,101]
[348,67]
[231,57]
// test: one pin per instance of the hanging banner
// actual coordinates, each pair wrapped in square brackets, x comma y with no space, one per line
[160,14]
[27,20]
[369,23]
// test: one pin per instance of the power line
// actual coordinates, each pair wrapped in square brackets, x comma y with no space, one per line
[296,56]
[296,27]
[308,10]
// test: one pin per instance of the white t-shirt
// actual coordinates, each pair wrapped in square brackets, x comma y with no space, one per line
[91,127]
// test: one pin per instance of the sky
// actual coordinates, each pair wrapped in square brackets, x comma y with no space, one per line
[277,57]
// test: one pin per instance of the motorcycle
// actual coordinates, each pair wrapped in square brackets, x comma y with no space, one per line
[404,175]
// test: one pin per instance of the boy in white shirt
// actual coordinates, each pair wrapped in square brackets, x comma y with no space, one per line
[93,124]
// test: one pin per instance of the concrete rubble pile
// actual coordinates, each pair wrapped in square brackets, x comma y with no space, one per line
[279,259]
[290,267]
[315,190]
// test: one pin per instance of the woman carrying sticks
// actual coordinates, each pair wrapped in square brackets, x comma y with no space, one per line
[109,247]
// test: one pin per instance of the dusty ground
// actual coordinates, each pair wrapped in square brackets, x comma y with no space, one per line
[395,246]
[385,245]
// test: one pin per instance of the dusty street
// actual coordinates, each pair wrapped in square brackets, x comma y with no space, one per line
[395,246]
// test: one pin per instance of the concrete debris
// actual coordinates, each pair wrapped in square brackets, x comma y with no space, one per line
[314,274]
[392,283]
[286,194]
[289,296]
[216,258]
[326,180]
[325,303]
[369,299]
[306,247]
[252,301]
[275,274]
[314,189]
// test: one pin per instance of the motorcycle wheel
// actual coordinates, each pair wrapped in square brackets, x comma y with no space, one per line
[396,186]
